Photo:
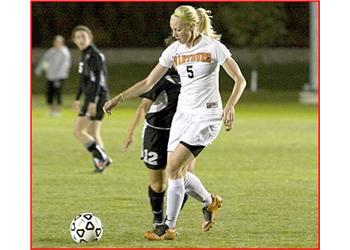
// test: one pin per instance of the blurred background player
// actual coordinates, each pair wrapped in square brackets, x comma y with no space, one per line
[197,55]
[93,84]
[56,63]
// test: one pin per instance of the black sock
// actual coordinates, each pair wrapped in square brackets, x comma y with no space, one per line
[156,201]
[96,150]
[184,201]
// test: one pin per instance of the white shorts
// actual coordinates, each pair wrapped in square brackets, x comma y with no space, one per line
[195,130]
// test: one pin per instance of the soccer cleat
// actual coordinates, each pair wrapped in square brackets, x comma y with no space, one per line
[210,211]
[100,166]
[107,162]
[161,232]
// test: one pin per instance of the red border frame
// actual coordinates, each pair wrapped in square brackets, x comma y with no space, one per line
[318,123]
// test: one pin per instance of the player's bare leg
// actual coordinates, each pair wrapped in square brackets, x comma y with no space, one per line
[100,158]
[95,132]
[81,130]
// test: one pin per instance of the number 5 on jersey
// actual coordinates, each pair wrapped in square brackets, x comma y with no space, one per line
[189,69]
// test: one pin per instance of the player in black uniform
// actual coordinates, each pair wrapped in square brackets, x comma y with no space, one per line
[93,77]
[158,107]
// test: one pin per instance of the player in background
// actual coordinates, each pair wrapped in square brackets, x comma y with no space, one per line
[197,55]
[93,84]
[157,107]
[56,63]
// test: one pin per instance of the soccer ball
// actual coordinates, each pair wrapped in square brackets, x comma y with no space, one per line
[86,227]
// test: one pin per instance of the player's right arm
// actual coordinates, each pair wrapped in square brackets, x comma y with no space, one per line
[142,109]
[137,89]
[76,104]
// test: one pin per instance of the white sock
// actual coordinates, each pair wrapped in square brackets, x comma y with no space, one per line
[175,194]
[195,189]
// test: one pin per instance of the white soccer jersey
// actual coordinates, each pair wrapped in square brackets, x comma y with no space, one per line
[198,68]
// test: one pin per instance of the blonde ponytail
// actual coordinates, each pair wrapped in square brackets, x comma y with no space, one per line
[204,26]
[199,18]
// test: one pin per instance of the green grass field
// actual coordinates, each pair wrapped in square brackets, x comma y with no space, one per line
[265,170]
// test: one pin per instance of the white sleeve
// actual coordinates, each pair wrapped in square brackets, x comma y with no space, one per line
[166,59]
[222,53]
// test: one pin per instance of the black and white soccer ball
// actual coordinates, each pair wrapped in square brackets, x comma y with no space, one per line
[86,227]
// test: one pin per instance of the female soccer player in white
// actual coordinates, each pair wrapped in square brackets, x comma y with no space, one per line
[197,56]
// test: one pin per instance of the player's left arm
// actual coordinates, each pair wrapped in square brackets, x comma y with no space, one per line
[233,70]
[76,103]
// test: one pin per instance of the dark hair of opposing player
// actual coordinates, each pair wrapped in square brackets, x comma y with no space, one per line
[81,28]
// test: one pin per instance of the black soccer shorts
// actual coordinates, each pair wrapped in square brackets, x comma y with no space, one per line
[155,144]
[99,108]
